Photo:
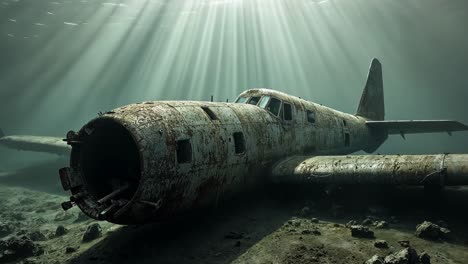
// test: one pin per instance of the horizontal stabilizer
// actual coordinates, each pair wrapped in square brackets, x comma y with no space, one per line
[52,145]
[417,126]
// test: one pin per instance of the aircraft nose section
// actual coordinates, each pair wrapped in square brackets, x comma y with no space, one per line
[105,169]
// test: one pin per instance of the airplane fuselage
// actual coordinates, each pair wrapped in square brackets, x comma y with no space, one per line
[192,153]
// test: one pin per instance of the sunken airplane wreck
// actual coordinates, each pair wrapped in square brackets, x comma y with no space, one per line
[153,160]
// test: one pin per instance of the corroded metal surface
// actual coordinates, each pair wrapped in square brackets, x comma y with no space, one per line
[37,144]
[166,187]
[165,158]
[445,169]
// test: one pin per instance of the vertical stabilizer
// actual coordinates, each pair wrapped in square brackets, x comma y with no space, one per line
[372,105]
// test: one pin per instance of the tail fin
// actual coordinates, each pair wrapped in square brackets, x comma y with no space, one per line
[372,105]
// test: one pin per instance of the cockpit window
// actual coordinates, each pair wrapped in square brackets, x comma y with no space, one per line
[254,100]
[241,100]
[264,101]
[274,106]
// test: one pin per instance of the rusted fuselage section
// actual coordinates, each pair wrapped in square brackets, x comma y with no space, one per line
[151,161]
[158,159]
[441,170]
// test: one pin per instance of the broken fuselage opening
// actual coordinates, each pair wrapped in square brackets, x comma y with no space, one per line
[108,162]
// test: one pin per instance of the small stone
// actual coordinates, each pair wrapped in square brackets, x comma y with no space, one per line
[428,230]
[404,243]
[375,260]
[306,232]
[367,222]
[70,250]
[381,244]
[381,224]
[424,258]
[60,231]
[314,220]
[36,236]
[361,231]
[407,255]
[92,232]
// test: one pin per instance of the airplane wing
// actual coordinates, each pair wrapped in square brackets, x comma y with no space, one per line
[442,169]
[417,126]
[54,145]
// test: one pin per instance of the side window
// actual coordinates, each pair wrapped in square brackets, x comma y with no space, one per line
[254,100]
[287,112]
[311,117]
[241,100]
[274,106]
[239,142]
[264,101]
[184,151]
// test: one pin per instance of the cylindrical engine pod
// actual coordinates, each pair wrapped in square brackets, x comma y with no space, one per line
[445,169]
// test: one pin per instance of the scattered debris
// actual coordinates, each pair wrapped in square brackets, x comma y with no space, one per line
[404,243]
[36,235]
[60,231]
[361,231]
[381,244]
[407,255]
[375,260]
[94,231]
[381,224]
[308,232]
[367,222]
[17,248]
[424,258]
[428,230]
[70,250]
[314,220]
[351,223]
